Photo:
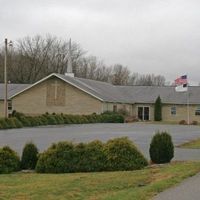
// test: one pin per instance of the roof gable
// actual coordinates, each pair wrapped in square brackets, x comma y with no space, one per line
[67,80]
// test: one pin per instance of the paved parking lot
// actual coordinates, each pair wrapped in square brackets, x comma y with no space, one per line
[140,133]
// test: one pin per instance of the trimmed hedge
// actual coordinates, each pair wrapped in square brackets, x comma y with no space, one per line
[9,160]
[57,159]
[19,120]
[122,154]
[161,148]
[116,154]
[89,157]
[29,156]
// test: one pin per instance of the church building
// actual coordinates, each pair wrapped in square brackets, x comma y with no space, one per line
[58,93]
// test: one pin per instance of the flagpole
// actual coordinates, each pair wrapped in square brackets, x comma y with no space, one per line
[188,105]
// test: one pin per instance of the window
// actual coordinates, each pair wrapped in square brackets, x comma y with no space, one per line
[9,105]
[197,111]
[173,110]
[114,108]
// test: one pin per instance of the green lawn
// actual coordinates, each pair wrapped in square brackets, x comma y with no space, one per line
[139,185]
[194,144]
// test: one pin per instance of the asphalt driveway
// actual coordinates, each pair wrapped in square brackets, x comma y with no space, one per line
[140,133]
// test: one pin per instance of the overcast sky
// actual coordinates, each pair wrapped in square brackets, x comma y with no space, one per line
[148,36]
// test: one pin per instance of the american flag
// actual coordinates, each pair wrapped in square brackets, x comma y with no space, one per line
[181,84]
[182,80]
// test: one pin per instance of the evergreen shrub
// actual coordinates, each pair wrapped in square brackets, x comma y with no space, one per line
[161,148]
[18,124]
[57,159]
[29,156]
[158,109]
[90,157]
[122,154]
[9,160]
[24,120]
[10,122]
[19,120]
[59,119]
[43,120]
[51,119]
[116,154]
[4,124]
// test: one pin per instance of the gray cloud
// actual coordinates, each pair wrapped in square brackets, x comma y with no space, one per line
[158,36]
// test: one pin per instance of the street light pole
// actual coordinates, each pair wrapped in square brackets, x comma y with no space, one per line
[5,81]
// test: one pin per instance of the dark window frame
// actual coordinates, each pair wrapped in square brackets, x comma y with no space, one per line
[173,110]
[197,111]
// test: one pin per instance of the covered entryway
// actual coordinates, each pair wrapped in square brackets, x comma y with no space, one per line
[143,113]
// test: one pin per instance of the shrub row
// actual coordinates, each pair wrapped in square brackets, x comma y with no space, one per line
[116,154]
[19,120]
[10,161]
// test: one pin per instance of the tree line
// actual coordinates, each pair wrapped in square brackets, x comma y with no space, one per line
[33,58]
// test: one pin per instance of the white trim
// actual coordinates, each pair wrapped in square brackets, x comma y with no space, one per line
[53,74]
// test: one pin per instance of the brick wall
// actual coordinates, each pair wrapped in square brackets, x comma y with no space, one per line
[41,98]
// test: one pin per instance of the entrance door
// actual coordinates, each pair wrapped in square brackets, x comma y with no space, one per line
[143,113]
[140,113]
[146,113]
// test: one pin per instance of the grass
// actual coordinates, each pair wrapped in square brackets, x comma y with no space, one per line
[138,185]
[193,144]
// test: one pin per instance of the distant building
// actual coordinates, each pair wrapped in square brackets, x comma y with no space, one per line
[70,95]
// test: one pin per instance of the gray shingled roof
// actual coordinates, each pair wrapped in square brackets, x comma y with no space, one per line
[12,89]
[103,90]
[121,94]
[135,94]
[148,94]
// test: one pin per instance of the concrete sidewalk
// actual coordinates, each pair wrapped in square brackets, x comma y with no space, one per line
[187,190]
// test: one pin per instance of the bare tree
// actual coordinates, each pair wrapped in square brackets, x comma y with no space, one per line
[149,80]
[120,75]
[35,57]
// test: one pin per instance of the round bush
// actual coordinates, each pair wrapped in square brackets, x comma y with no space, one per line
[25,121]
[29,156]
[161,148]
[51,119]
[59,119]
[57,159]
[122,154]
[90,157]
[43,120]
[9,160]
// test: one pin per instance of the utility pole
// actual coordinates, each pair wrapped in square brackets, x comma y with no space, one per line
[5,81]
[5,78]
